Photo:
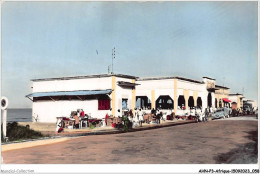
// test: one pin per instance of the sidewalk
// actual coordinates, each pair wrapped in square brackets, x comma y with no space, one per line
[76,133]
[111,130]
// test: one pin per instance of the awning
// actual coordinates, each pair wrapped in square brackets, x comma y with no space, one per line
[226,100]
[126,84]
[70,93]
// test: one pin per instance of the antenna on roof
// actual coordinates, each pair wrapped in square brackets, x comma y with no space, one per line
[108,69]
[113,57]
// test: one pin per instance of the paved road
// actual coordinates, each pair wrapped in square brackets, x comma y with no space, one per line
[252,118]
[212,142]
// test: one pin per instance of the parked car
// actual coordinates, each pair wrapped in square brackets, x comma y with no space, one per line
[247,109]
[221,113]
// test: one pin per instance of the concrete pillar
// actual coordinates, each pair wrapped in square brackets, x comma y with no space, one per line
[133,96]
[153,99]
[175,96]
[113,96]
[238,102]
[213,100]
[195,97]
[186,94]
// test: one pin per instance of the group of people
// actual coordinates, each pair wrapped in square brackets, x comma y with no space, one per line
[137,118]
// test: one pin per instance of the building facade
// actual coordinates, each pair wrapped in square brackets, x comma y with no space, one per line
[222,96]
[112,94]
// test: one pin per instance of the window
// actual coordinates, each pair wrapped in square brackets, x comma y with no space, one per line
[103,104]
[124,104]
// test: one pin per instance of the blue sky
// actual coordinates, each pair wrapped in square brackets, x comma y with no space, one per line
[189,39]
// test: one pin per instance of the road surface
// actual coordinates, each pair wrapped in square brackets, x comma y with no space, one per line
[220,141]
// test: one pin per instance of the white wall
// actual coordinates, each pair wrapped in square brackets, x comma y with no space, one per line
[155,84]
[159,92]
[144,92]
[47,111]
[73,84]
[233,98]
[182,84]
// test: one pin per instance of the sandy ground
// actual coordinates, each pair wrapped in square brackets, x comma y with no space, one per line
[220,141]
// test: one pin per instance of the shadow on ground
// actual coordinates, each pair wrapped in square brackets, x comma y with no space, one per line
[244,154]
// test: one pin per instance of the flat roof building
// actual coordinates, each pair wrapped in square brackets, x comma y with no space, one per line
[100,94]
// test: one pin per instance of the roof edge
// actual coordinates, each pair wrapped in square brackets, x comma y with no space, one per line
[85,77]
[169,77]
[218,86]
[209,78]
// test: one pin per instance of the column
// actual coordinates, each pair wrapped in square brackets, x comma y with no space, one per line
[175,96]
[133,96]
[113,95]
[195,97]
[153,99]
[186,94]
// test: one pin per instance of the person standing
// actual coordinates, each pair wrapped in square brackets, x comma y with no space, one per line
[106,118]
[141,117]
[76,117]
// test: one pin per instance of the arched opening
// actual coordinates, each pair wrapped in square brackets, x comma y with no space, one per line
[209,100]
[216,103]
[164,102]
[181,101]
[191,102]
[199,102]
[143,102]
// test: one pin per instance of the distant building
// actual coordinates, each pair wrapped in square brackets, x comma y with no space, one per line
[253,103]
[222,96]
[237,98]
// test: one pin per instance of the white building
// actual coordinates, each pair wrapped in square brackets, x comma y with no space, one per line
[96,94]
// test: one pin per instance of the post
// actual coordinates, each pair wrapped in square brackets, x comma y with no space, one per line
[153,99]
[4,104]
[4,122]
[175,96]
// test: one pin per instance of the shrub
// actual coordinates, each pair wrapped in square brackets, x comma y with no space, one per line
[17,132]
[91,126]
[126,123]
